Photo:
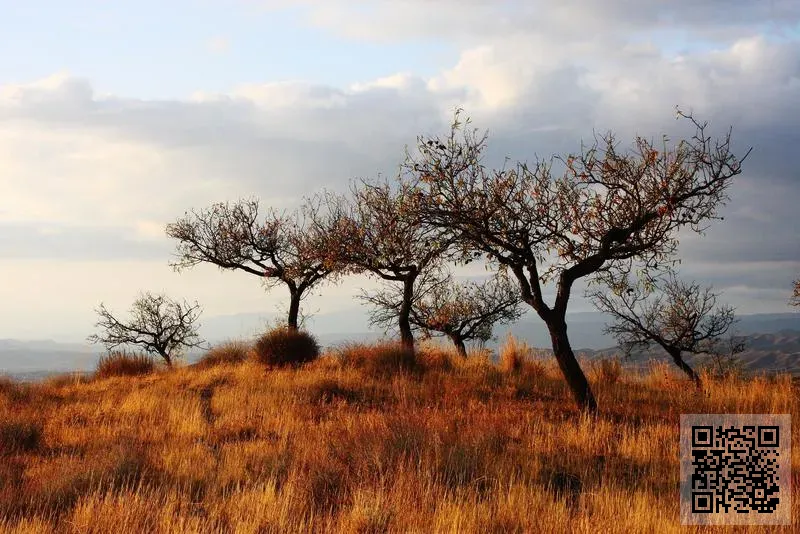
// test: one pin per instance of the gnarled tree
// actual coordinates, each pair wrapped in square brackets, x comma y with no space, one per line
[461,311]
[158,324]
[679,317]
[379,231]
[603,211]
[280,249]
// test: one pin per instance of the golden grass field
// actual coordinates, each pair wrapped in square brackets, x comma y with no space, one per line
[358,444]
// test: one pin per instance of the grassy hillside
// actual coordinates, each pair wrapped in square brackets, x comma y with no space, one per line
[356,444]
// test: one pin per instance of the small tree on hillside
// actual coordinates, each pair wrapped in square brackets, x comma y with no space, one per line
[679,317]
[604,211]
[461,311]
[379,231]
[279,250]
[158,324]
[795,301]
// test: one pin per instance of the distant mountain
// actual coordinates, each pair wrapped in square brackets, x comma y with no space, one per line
[775,352]
[773,339]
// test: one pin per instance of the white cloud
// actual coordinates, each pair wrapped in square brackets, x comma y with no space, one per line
[538,76]
[218,45]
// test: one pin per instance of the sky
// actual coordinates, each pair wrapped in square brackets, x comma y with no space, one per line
[117,117]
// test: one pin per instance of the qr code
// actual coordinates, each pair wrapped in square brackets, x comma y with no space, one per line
[735,469]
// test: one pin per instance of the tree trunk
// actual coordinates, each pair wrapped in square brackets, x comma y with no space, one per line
[406,336]
[166,357]
[294,309]
[458,341]
[570,368]
[679,361]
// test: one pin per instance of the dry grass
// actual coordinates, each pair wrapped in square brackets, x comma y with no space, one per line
[513,354]
[346,445]
[230,352]
[121,363]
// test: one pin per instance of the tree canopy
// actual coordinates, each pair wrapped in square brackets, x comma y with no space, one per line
[279,249]
[379,231]
[680,317]
[605,211]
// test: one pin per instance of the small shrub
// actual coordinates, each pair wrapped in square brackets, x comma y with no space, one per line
[284,346]
[122,363]
[19,436]
[230,352]
[380,359]
[513,354]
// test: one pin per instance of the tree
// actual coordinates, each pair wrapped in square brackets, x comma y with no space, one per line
[795,301]
[460,311]
[158,324]
[378,230]
[281,249]
[679,317]
[604,211]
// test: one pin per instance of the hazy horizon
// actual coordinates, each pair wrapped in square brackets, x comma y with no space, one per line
[116,119]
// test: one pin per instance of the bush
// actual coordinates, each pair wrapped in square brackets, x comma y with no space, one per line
[122,363]
[19,436]
[381,359]
[284,346]
[229,352]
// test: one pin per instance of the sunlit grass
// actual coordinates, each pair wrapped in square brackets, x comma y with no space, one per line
[361,440]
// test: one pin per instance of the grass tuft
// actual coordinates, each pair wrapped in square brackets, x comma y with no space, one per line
[230,352]
[513,354]
[122,363]
[378,360]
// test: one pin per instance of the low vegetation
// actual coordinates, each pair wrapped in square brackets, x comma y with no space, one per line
[231,352]
[122,363]
[286,346]
[363,439]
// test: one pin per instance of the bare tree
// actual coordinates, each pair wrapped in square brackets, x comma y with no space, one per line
[379,231]
[158,324]
[280,250]
[605,210]
[795,301]
[679,317]
[461,311]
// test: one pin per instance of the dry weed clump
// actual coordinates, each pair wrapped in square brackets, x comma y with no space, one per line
[513,354]
[230,352]
[342,446]
[606,371]
[122,363]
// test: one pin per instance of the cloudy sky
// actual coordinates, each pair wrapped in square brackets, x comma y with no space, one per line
[116,117]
